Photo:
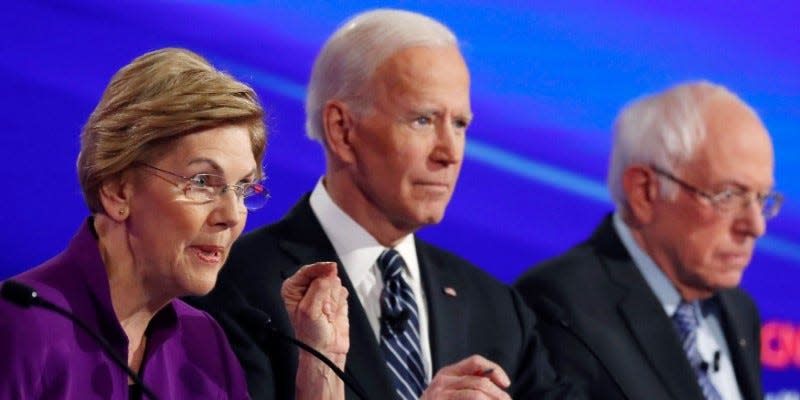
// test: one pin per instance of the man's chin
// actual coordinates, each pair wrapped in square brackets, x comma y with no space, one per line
[433,218]
[418,222]
[728,280]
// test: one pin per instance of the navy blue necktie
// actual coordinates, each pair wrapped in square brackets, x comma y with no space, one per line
[686,323]
[400,339]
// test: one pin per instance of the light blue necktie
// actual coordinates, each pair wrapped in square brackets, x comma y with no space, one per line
[400,340]
[686,323]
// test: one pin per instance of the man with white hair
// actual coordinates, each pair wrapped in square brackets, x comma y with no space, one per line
[389,102]
[649,306]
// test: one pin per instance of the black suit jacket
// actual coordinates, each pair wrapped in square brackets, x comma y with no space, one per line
[484,317]
[605,326]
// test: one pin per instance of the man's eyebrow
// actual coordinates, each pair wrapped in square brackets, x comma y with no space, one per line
[725,184]
[438,113]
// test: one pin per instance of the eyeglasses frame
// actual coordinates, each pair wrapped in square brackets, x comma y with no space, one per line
[715,199]
[238,188]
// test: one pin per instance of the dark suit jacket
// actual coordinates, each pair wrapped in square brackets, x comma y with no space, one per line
[485,317]
[605,326]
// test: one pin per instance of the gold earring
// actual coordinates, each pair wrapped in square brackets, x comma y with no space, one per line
[122,211]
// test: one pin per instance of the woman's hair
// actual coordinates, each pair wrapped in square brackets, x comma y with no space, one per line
[157,98]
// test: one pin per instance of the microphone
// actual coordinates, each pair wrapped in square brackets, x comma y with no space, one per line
[260,320]
[393,313]
[25,296]
[396,322]
[704,366]
[716,361]
[714,366]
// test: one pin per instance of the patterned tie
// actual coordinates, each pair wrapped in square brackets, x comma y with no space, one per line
[400,328]
[686,323]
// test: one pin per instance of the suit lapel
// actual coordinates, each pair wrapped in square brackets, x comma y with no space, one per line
[645,318]
[655,336]
[739,344]
[446,311]
[304,240]
[306,243]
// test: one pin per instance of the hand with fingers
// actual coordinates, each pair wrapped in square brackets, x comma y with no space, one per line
[474,377]
[316,303]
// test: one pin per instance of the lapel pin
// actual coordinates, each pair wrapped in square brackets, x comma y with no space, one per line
[449,291]
[742,343]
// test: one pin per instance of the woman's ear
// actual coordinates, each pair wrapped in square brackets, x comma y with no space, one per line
[338,124]
[641,192]
[115,194]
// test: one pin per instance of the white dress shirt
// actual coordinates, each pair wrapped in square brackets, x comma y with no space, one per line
[710,337]
[359,251]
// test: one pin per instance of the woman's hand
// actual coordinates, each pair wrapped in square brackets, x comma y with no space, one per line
[317,305]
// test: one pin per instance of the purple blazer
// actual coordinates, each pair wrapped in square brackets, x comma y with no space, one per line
[44,356]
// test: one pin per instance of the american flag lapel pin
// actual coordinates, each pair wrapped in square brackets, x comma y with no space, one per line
[448,290]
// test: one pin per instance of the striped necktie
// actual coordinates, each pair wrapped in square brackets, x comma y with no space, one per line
[686,323]
[400,328]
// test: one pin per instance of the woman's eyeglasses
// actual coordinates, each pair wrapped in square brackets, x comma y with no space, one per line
[207,187]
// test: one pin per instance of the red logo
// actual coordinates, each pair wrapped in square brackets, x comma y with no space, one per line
[780,345]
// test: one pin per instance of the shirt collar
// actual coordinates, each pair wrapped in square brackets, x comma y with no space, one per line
[663,288]
[356,248]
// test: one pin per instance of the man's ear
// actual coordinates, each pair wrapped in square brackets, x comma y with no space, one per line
[115,194]
[339,126]
[641,191]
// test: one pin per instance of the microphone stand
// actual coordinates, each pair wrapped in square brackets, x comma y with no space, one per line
[26,296]
[260,319]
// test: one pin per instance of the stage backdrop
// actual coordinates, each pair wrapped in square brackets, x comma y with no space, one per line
[548,79]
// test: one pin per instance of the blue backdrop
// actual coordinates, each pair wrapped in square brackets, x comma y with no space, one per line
[548,80]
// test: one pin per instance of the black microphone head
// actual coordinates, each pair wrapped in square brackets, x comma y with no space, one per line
[704,366]
[256,321]
[405,315]
[255,316]
[397,322]
[18,293]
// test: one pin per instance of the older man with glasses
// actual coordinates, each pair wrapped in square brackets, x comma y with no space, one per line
[649,306]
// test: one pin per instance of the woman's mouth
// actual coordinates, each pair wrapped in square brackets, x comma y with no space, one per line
[208,254]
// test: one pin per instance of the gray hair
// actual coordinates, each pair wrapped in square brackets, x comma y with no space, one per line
[354,52]
[662,129]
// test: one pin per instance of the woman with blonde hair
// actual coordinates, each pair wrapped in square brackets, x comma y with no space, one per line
[170,164]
